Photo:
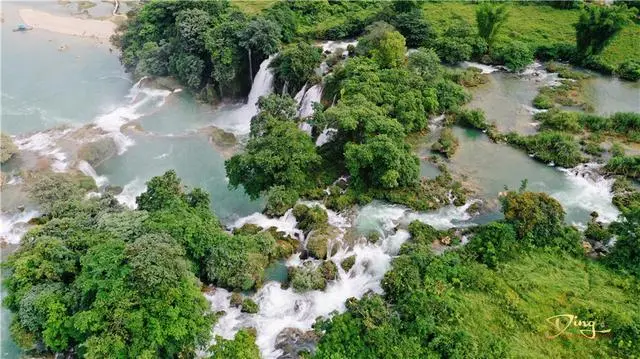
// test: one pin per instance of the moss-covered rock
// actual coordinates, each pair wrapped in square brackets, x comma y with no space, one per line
[236,300]
[348,262]
[7,148]
[98,151]
[318,240]
[248,229]
[373,236]
[329,270]
[306,278]
[310,218]
[249,306]
[279,200]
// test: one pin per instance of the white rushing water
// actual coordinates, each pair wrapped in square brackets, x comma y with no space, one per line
[313,95]
[130,191]
[238,121]
[14,225]
[88,170]
[588,191]
[285,308]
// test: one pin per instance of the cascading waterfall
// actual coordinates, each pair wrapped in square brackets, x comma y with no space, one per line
[285,308]
[300,95]
[238,121]
[313,95]
[88,170]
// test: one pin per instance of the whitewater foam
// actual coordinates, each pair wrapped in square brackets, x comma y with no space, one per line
[130,191]
[14,225]
[284,308]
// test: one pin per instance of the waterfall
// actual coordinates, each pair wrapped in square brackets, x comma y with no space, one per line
[300,95]
[314,94]
[238,121]
[88,170]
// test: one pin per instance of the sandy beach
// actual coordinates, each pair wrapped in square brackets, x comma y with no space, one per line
[100,29]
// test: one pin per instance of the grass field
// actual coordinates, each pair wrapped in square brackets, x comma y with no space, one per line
[532,24]
[528,290]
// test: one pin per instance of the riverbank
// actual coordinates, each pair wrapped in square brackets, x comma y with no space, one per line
[99,29]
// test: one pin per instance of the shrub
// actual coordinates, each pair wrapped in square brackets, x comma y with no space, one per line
[542,101]
[564,121]
[447,144]
[559,52]
[306,278]
[249,306]
[629,70]
[348,262]
[310,218]
[515,55]
[624,165]
[279,200]
[471,118]
[493,243]
[549,146]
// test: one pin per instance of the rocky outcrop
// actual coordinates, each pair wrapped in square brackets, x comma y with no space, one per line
[318,241]
[98,151]
[294,342]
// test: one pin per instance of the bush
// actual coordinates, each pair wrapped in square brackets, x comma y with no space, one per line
[515,55]
[624,165]
[447,144]
[279,200]
[310,218]
[629,70]
[559,52]
[329,270]
[348,262]
[249,306]
[564,121]
[472,119]
[542,101]
[306,278]
[549,146]
[493,243]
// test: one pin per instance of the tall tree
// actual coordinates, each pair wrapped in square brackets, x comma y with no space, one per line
[490,19]
[597,25]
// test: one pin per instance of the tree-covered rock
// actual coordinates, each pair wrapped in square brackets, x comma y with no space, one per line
[310,218]
[7,148]
[295,66]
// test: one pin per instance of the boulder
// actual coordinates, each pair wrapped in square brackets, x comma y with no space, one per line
[348,262]
[249,306]
[318,240]
[329,270]
[236,300]
[293,342]
[98,151]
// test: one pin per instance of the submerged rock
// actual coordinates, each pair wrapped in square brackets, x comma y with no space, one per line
[224,142]
[294,342]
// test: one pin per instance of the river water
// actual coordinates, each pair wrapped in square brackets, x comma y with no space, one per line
[44,88]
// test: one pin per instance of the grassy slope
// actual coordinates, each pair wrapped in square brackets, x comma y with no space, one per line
[533,24]
[537,287]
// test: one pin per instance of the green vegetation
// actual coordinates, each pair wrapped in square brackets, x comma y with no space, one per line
[447,143]
[453,305]
[629,70]
[628,166]
[243,346]
[490,19]
[7,148]
[98,280]
[549,146]
[295,66]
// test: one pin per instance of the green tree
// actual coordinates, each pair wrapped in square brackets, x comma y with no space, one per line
[284,155]
[425,63]
[261,38]
[272,108]
[414,27]
[597,25]
[243,346]
[295,66]
[391,50]
[515,55]
[381,162]
[490,19]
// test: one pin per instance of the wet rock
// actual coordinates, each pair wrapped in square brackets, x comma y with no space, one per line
[113,190]
[98,151]
[348,262]
[318,240]
[249,306]
[329,270]
[294,342]
[224,142]
[310,218]
[236,300]
[306,278]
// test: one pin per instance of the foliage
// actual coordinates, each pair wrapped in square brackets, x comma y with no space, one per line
[273,109]
[515,55]
[284,156]
[493,243]
[629,70]
[383,44]
[597,25]
[459,42]
[249,306]
[295,66]
[549,146]
[306,278]
[624,165]
[243,346]
[563,121]
[78,288]
[490,19]
[424,63]
[472,119]
[381,163]
[310,218]
[49,189]
[543,102]
[414,27]
[279,200]
[624,255]
[447,143]
[7,148]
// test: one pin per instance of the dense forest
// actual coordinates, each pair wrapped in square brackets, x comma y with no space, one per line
[95,279]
